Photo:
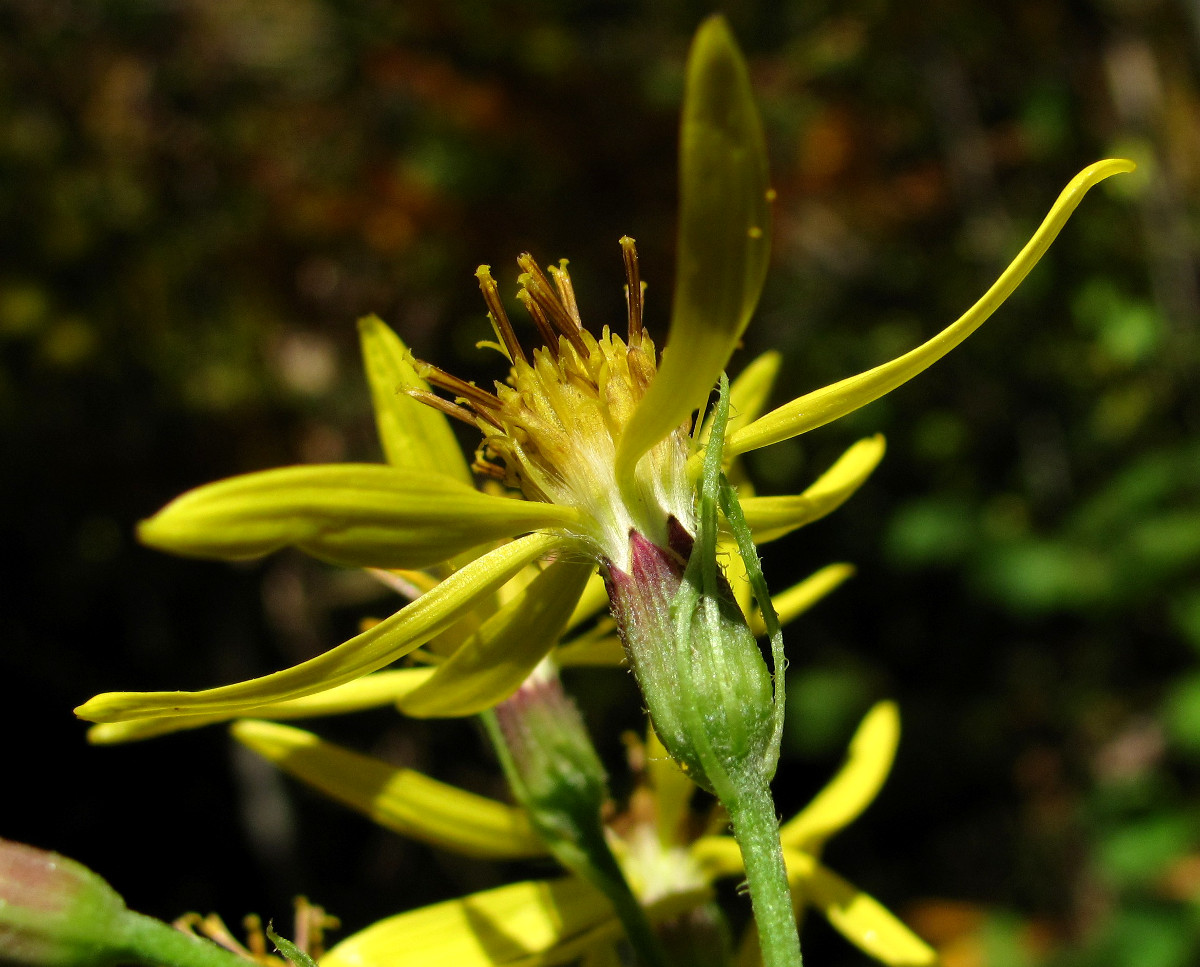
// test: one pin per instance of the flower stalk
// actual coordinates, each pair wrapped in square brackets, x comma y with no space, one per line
[555,773]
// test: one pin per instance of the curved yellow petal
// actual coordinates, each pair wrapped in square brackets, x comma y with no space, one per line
[493,662]
[357,514]
[380,645]
[531,924]
[600,650]
[673,791]
[402,800]
[793,602]
[772,517]
[724,239]
[414,436]
[836,400]
[858,917]
[370,691]
[718,856]
[857,783]
[591,602]
[748,395]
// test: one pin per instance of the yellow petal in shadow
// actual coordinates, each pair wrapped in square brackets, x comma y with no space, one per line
[718,856]
[414,436]
[370,691]
[600,650]
[858,917]
[724,239]
[673,791]
[367,515]
[836,400]
[857,783]
[793,602]
[772,517]
[493,662]
[401,800]
[591,602]
[532,924]
[748,396]
[380,645]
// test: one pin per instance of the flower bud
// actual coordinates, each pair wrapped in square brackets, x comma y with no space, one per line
[706,685]
[552,764]
[55,912]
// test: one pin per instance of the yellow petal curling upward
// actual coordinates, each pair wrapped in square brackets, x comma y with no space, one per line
[724,239]
[413,436]
[857,783]
[772,517]
[836,400]
[380,645]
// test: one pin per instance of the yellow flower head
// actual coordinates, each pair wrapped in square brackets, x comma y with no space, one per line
[594,430]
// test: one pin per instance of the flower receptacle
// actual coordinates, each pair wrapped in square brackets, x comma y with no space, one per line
[706,685]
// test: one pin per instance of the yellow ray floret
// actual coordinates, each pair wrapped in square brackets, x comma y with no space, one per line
[370,691]
[532,924]
[836,400]
[772,517]
[493,662]
[366,515]
[857,783]
[402,800]
[380,645]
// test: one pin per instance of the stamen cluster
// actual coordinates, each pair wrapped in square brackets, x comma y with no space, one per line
[551,430]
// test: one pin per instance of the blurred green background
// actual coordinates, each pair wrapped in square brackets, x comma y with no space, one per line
[197,200]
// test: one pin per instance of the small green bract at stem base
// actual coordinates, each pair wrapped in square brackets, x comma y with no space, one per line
[707,688]
[293,953]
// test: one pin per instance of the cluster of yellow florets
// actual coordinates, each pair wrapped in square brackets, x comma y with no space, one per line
[552,429]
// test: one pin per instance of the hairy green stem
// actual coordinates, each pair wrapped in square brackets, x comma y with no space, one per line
[756,829]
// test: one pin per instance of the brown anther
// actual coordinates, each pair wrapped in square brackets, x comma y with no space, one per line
[544,328]
[634,289]
[566,291]
[538,286]
[459,387]
[491,295]
[451,409]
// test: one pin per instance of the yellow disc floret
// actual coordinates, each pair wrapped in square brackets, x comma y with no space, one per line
[551,430]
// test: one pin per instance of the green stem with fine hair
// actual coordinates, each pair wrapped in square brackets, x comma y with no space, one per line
[576,839]
[741,782]
[152,942]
